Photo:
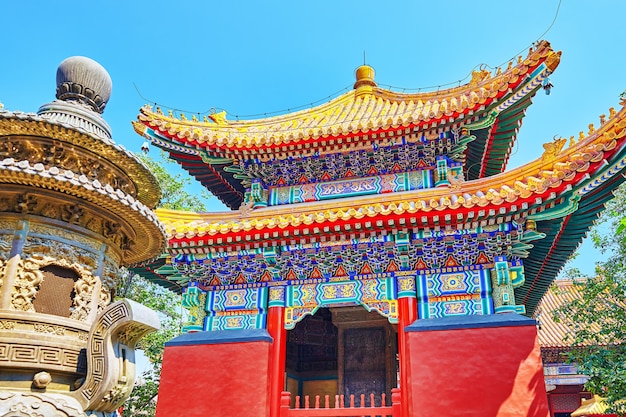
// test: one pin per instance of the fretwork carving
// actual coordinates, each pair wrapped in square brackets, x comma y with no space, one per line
[55,249]
[28,279]
[30,276]
[110,274]
[2,271]
[83,289]
[73,213]
[70,158]
[38,405]
[49,328]
[7,325]
[108,382]
[26,203]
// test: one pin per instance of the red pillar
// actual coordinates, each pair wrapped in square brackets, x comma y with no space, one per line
[276,329]
[407,314]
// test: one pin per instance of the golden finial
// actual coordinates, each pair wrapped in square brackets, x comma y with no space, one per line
[499,72]
[170,114]
[591,128]
[194,118]
[602,119]
[581,135]
[364,78]
[572,141]
[509,66]
[612,112]
[519,59]
[182,116]
[205,119]
[159,111]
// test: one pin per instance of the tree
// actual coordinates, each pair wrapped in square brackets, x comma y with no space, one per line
[173,194]
[142,401]
[598,318]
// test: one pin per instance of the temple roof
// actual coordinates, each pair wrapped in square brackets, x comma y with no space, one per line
[544,180]
[553,334]
[593,407]
[564,191]
[365,117]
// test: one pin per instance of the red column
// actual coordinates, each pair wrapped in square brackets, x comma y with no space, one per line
[407,314]
[276,329]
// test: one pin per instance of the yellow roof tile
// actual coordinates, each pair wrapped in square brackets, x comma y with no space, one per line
[365,109]
[592,407]
[533,178]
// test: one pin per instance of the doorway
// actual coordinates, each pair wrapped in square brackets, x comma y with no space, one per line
[342,351]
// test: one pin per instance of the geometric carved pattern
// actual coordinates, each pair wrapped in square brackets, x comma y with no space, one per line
[22,355]
[107,382]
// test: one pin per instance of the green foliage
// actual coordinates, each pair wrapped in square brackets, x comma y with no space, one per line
[142,401]
[598,318]
[173,194]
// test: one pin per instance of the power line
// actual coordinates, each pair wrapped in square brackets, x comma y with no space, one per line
[346,88]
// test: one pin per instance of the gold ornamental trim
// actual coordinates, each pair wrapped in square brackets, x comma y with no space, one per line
[558,164]
[366,109]
[148,230]
[30,124]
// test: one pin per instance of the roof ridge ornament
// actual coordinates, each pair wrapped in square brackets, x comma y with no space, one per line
[364,79]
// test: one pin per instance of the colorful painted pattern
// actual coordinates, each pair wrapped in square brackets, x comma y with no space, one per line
[405,181]
[374,257]
[453,294]
[194,301]
[406,157]
[236,309]
[373,294]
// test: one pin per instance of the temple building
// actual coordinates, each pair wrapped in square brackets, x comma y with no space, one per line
[378,253]
[564,382]
[74,208]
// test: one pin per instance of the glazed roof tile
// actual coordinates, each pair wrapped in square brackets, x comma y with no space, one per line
[593,407]
[363,119]
[362,111]
[554,334]
[558,171]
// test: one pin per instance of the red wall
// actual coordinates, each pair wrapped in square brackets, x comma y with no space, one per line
[478,366]
[214,379]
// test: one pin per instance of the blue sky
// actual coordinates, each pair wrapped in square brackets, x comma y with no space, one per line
[255,57]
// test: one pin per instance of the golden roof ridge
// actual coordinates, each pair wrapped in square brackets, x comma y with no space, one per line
[337,116]
[548,171]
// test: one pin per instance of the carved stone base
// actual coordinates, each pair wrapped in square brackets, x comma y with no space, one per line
[16,404]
